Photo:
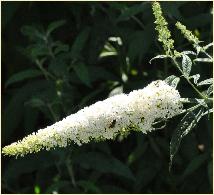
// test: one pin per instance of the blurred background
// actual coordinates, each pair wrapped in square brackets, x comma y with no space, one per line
[58,57]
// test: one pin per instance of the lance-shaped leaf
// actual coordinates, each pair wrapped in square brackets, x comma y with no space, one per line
[82,72]
[172,80]
[54,25]
[209,90]
[23,75]
[186,65]
[80,42]
[206,82]
[194,164]
[208,60]
[188,122]
[188,52]
[208,46]
[158,57]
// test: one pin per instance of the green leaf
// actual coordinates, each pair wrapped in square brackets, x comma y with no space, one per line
[201,102]
[32,32]
[104,163]
[188,52]
[16,168]
[209,90]
[194,165]
[35,102]
[172,80]
[195,78]
[117,40]
[159,57]
[209,111]
[188,122]
[107,53]
[60,47]
[207,60]
[54,25]
[186,65]
[108,50]
[8,11]
[20,76]
[58,66]
[14,109]
[206,82]
[82,72]
[36,50]
[147,172]
[138,151]
[131,11]
[79,43]
[207,46]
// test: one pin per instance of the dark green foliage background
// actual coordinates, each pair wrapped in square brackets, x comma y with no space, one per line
[137,163]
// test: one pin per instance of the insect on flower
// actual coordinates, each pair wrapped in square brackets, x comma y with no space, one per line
[112,123]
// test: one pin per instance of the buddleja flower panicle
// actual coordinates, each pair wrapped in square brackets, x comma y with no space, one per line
[105,119]
[164,35]
[187,34]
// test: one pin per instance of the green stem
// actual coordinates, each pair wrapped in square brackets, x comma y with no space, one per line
[208,55]
[45,72]
[199,93]
[70,172]
[204,51]
[48,44]
[194,100]
[189,109]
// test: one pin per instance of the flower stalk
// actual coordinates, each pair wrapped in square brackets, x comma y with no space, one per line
[187,34]
[164,35]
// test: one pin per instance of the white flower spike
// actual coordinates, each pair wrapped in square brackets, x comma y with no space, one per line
[103,120]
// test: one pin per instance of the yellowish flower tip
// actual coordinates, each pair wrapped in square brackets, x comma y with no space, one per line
[187,33]
[164,35]
[29,144]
